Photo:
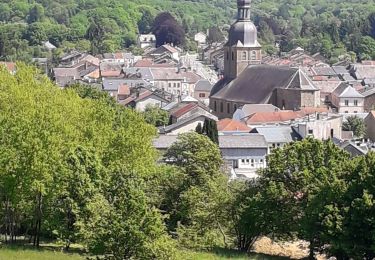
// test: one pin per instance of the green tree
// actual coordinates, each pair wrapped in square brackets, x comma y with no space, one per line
[300,183]
[156,116]
[210,129]
[355,124]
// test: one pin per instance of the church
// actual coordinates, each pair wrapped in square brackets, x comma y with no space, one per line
[247,81]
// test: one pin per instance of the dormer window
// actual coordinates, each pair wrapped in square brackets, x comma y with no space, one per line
[244,55]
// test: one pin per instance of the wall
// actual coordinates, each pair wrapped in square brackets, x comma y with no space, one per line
[188,127]
[369,103]
[321,128]
[342,108]
[370,127]
[141,105]
[225,113]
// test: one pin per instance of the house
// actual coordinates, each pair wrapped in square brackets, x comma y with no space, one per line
[202,90]
[200,38]
[187,109]
[243,112]
[232,126]
[370,126]
[347,99]
[179,82]
[83,71]
[146,40]
[186,124]
[112,85]
[111,69]
[353,148]
[165,50]
[322,126]
[140,100]
[244,154]
[127,59]
[277,136]
[369,95]
[276,117]
[49,46]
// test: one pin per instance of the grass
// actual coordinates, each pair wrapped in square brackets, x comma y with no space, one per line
[24,253]
[224,254]
[53,252]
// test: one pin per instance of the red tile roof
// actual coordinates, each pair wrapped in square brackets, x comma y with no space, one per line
[183,110]
[228,124]
[313,110]
[149,63]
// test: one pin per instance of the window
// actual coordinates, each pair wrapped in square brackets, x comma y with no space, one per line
[244,55]
[228,108]
[174,85]
[170,85]
[202,95]
[346,102]
[311,132]
[232,55]
[346,112]
[247,161]
[356,103]
[253,55]
[215,106]
[178,85]
[355,112]
[243,160]
[332,133]
[221,107]
[227,55]
[235,107]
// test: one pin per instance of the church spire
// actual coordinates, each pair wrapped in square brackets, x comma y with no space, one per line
[243,7]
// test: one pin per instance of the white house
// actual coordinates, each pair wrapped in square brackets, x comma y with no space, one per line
[200,38]
[146,40]
[347,99]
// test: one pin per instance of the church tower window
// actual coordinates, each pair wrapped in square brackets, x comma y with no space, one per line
[232,55]
[244,55]
[253,55]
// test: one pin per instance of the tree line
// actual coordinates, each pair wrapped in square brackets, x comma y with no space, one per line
[76,167]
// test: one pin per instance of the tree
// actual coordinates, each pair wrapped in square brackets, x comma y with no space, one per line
[145,23]
[355,124]
[198,129]
[210,129]
[197,202]
[156,116]
[215,35]
[167,30]
[36,14]
[366,48]
[301,182]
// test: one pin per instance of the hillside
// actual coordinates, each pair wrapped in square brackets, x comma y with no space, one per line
[334,28]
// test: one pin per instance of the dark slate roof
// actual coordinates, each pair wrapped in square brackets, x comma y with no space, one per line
[257,82]
[203,85]
[345,90]
[278,134]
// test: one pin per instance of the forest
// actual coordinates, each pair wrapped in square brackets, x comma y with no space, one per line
[77,168]
[335,28]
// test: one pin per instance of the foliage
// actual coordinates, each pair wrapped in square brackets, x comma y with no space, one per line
[61,156]
[156,116]
[210,130]
[302,181]
[199,215]
[167,30]
[355,124]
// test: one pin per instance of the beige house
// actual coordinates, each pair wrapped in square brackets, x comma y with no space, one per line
[146,40]
[347,99]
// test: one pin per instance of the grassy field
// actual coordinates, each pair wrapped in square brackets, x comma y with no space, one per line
[13,253]
[26,253]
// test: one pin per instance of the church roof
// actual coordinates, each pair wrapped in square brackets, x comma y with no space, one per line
[257,82]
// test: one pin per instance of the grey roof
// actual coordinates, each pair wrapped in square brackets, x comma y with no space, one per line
[324,71]
[340,70]
[278,134]
[368,91]
[344,90]
[242,141]
[203,85]
[112,84]
[164,141]
[257,82]
[143,73]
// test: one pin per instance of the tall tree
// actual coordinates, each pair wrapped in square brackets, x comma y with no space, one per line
[168,30]
[355,124]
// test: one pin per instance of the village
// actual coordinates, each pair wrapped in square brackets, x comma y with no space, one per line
[258,102]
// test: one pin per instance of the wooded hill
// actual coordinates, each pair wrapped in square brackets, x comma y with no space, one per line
[334,28]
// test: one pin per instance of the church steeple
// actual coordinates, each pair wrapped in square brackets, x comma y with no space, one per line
[242,47]
[243,9]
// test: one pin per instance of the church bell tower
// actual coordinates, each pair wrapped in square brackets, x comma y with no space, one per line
[242,47]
